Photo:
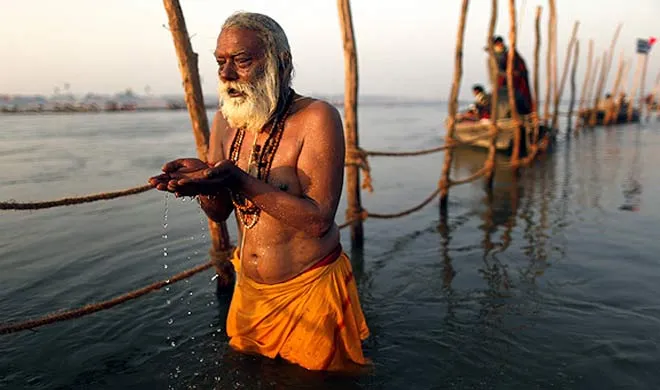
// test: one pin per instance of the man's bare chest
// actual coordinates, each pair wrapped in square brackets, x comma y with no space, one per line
[280,172]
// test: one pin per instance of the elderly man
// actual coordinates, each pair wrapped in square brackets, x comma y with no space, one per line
[277,160]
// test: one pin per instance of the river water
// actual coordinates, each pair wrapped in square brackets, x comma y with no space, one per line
[549,283]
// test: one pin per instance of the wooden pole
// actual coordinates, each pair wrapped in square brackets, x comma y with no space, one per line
[549,62]
[494,70]
[567,62]
[537,87]
[654,94]
[194,101]
[354,202]
[515,155]
[590,88]
[592,82]
[453,106]
[555,85]
[587,75]
[612,110]
[571,104]
[607,64]
[596,98]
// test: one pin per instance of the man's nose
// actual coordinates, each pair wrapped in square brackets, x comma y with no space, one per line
[228,72]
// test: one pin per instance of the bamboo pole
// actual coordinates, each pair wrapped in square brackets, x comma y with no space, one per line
[567,62]
[592,83]
[641,62]
[589,91]
[552,22]
[354,203]
[453,106]
[587,75]
[607,64]
[654,94]
[494,70]
[515,155]
[571,104]
[597,84]
[554,52]
[613,109]
[194,101]
[537,87]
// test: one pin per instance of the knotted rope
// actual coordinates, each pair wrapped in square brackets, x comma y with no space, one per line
[358,157]
[73,201]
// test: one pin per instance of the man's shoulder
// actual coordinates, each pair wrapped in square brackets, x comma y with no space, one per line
[313,107]
[315,112]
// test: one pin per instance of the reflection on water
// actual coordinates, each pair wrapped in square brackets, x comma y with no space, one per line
[544,282]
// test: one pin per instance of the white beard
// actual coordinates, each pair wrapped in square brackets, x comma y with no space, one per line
[252,110]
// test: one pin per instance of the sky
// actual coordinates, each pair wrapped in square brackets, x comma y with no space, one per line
[405,48]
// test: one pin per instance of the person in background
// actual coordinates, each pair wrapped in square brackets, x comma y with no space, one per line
[522,91]
[481,101]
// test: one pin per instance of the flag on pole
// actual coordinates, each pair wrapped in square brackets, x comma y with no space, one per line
[644,45]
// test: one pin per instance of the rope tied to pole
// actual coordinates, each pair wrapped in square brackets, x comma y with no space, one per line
[12,205]
[358,157]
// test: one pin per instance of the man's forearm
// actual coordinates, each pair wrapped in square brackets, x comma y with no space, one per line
[217,207]
[297,212]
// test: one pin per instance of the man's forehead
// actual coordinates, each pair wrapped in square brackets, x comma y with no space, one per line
[234,40]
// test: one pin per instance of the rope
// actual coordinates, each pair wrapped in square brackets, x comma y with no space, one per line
[364,214]
[94,307]
[73,201]
[358,157]
[486,168]
[410,210]
[450,144]
[409,153]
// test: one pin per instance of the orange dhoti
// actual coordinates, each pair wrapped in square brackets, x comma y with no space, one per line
[313,320]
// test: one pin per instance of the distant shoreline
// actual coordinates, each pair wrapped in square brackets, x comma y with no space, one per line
[78,110]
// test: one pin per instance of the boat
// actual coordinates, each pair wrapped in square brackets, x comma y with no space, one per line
[584,116]
[474,133]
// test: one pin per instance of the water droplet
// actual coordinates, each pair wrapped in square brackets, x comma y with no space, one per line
[214,277]
[210,325]
[196,252]
[190,293]
[165,225]
[203,235]
[201,360]
[165,266]
[192,337]
[168,301]
[167,281]
[164,254]
[173,344]
[164,236]
[167,289]
[184,199]
[170,321]
[189,313]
